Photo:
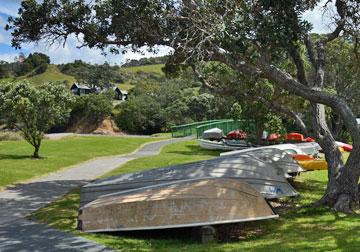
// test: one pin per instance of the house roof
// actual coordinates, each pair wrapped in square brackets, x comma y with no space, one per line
[121,91]
[80,86]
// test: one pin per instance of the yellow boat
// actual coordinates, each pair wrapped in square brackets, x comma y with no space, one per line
[316,164]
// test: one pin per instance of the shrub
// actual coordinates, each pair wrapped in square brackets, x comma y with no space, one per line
[142,115]
[42,68]
[94,108]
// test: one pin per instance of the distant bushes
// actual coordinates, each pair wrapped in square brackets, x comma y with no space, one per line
[93,108]
[142,115]
[10,136]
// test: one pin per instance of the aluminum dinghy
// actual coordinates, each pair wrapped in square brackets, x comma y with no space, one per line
[266,178]
[274,156]
[183,204]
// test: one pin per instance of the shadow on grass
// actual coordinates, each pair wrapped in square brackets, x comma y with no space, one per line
[193,150]
[14,157]
[300,227]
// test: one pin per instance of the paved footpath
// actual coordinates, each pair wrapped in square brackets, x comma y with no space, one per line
[19,234]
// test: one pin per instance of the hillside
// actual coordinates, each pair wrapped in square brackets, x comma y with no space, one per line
[130,75]
[154,69]
[52,74]
[134,73]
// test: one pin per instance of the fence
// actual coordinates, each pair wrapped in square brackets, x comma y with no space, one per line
[226,126]
[188,129]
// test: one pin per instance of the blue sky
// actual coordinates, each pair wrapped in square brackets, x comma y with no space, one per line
[59,54]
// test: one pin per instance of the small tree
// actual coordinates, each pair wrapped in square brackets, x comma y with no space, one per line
[34,110]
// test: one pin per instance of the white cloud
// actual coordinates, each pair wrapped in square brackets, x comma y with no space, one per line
[62,54]
[8,57]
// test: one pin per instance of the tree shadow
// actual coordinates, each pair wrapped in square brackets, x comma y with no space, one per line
[14,157]
[194,150]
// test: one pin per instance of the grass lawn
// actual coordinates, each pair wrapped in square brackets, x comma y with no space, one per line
[16,164]
[300,227]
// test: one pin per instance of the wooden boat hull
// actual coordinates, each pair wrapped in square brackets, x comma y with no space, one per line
[311,165]
[221,145]
[274,156]
[184,204]
[266,178]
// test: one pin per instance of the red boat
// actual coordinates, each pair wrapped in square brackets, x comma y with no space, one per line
[273,137]
[309,139]
[236,134]
[295,137]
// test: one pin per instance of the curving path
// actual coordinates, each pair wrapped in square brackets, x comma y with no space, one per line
[19,234]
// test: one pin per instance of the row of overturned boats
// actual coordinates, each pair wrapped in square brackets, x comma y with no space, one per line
[235,187]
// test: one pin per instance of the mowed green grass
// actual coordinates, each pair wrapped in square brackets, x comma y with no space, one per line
[178,153]
[299,228]
[17,165]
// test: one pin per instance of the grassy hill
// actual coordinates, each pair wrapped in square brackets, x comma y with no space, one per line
[52,74]
[154,69]
[134,73]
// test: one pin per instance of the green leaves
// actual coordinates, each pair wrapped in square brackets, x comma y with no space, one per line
[34,110]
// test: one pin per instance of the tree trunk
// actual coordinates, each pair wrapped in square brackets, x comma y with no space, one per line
[36,152]
[342,187]
[342,190]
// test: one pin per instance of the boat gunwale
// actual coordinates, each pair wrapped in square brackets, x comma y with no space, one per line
[293,193]
[185,225]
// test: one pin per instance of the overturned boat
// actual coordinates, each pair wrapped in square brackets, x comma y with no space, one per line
[266,178]
[288,148]
[309,148]
[214,133]
[183,204]
[274,156]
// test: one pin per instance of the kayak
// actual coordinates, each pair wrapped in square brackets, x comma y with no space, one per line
[345,146]
[316,164]
[302,157]
[295,137]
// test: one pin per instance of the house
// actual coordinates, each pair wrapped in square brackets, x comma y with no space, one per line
[121,95]
[78,89]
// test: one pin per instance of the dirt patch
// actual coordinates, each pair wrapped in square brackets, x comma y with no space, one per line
[106,127]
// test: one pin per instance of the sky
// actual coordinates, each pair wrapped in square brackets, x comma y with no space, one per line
[62,54]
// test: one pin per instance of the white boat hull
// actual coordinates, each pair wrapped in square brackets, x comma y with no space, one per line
[221,145]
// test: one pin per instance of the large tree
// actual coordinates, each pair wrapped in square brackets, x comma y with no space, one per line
[250,36]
